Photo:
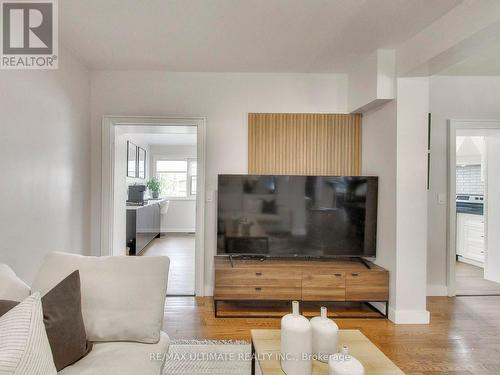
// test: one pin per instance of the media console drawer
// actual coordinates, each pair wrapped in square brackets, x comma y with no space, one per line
[257,293]
[258,277]
[323,286]
[367,286]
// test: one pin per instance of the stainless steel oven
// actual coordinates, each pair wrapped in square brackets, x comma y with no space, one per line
[470,204]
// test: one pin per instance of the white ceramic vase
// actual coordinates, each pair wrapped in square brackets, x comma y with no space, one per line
[325,336]
[296,343]
[344,364]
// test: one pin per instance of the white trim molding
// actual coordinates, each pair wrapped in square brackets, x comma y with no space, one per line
[451,222]
[471,261]
[179,230]
[107,188]
[409,316]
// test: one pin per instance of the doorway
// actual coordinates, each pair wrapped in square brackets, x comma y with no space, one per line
[474,258]
[158,207]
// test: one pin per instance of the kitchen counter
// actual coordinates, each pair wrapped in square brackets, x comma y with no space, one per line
[150,202]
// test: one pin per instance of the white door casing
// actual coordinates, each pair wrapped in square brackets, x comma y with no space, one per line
[453,126]
[107,185]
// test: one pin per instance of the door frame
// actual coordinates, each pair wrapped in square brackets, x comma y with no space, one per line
[451,225]
[107,185]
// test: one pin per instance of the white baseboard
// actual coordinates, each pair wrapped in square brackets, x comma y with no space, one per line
[437,290]
[409,316]
[178,230]
[209,291]
[470,261]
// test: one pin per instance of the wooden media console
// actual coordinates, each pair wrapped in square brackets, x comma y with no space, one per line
[321,281]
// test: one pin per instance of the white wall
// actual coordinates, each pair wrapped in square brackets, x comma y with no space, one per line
[394,148]
[181,213]
[470,150]
[174,151]
[225,99]
[411,201]
[45,153]
[379,131]
[451,98]
[373,82]
[180,217]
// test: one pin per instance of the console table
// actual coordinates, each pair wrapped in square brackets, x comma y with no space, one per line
[301,280]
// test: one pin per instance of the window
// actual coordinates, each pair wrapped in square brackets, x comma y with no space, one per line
[177,177]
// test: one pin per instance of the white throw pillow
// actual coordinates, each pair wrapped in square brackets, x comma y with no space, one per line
[24,346]
[11,286]
[123,297]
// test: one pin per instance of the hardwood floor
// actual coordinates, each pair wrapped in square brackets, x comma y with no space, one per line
[470,281]
[463,337]
[180,248]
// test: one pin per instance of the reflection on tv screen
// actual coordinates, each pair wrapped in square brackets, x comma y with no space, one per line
[297,216]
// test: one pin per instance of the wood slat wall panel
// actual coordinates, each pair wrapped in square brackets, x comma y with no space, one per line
[304,143]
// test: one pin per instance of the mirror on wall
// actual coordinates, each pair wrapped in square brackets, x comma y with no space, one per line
[142,163]
[131,160]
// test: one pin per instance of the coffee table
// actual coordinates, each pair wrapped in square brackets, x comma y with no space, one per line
[266,347]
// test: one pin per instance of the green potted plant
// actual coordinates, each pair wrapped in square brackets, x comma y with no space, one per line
[154,186]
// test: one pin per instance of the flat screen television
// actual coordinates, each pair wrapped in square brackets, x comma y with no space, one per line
[297,216]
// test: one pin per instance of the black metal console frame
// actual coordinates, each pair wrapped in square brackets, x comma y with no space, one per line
[368,303]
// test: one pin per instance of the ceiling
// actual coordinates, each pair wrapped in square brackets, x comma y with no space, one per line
[240,35]
[159,135]
[163,139]
[477,132]
[156,129]
[486,63]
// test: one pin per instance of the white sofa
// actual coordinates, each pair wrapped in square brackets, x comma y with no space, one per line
[122,306]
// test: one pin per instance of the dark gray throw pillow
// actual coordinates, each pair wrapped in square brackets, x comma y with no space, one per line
[62,315]
[6,305]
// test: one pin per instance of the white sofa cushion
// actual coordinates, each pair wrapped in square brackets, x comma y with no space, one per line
[11,286]
[24,346]
[123,358]
[123,297]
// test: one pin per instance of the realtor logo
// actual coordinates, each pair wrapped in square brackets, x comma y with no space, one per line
[29,34]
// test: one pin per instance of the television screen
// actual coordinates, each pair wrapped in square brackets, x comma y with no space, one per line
[297,216]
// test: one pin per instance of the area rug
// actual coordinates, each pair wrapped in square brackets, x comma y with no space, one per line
[202,357]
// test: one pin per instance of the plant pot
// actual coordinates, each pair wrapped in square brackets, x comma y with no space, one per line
[156,194]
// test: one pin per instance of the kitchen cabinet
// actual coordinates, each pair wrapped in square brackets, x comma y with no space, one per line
[470,237]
